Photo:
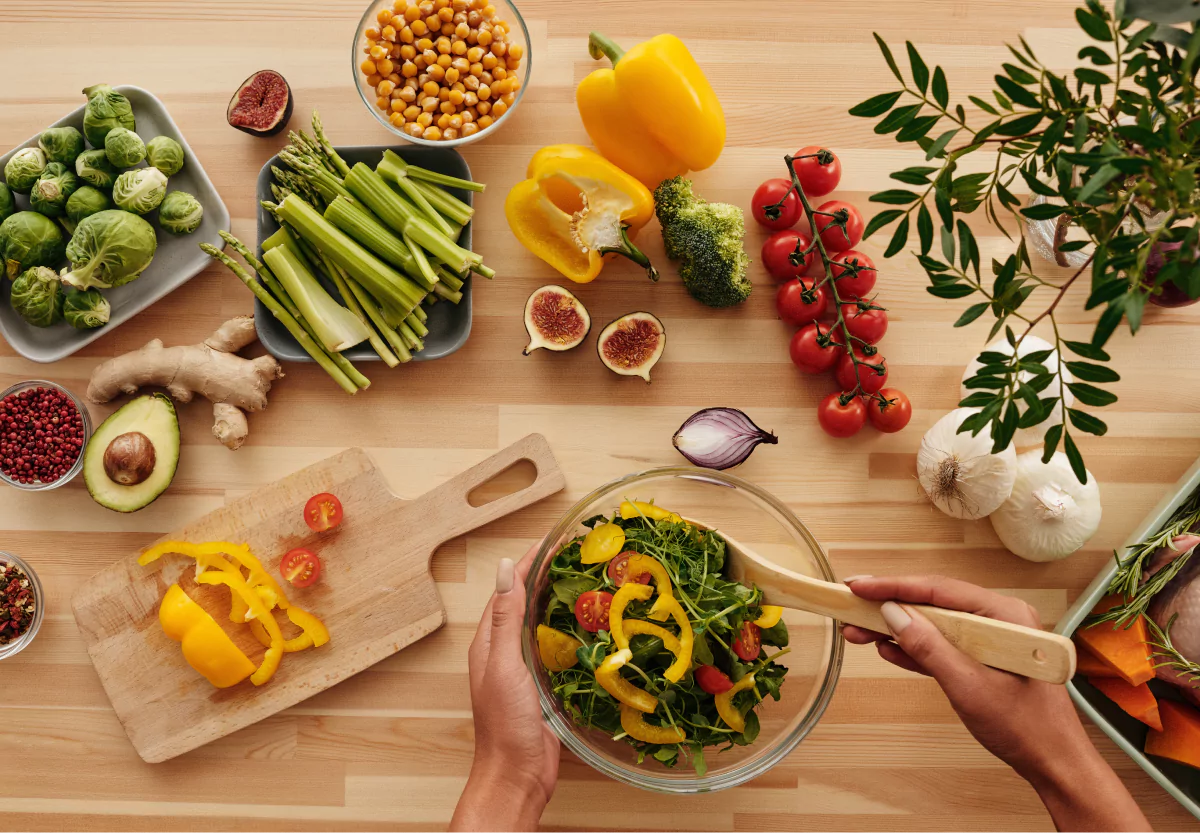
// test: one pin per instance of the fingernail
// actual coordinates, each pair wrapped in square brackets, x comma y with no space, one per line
[505,572]
[895,617]
[849,579]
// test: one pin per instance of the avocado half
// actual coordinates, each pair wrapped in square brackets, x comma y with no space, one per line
[149,418]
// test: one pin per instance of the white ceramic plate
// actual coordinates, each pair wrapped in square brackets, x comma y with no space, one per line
[176,262]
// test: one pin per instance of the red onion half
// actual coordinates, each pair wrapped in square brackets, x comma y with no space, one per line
[719,438]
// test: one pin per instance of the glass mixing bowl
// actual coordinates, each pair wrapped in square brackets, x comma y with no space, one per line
[757,520]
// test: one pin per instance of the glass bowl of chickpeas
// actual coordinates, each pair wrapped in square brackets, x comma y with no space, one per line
[441,72]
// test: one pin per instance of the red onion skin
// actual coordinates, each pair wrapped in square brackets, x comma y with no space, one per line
[744,437]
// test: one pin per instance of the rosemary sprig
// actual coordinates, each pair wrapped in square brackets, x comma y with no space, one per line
[1165,649]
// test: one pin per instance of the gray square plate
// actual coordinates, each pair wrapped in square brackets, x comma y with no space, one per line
[176,262]
[449,324]
[1180,781]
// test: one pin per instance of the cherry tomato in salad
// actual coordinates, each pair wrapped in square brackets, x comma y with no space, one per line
[870,379]
[301,568]
[854,272]
[748,642]
[322,512]
[618,570]
[808,355]
[712,679]
[840,420]
[779,254]
[792,306]
[591,610]
[867,324]
[770,193]
[816,178]
[892,414]
[832,235]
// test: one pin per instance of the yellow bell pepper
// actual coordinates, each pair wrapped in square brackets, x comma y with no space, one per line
[557,649]
[574,208]
[633,627]
[610,679]
[640,509]
[259,611]
[629,591]
[638,565]
[687,639]
[206,647]
[732,717]
[637,728]
[654,113]
[771,614]
[603,543]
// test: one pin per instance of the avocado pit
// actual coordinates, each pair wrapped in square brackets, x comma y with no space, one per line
[129,459]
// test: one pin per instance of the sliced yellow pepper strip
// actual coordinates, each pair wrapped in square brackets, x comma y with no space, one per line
[771,614]
[313,627]
[259,611]
[610,679]
[637,728]
[629,591]
[639,565]
[732,717]
[202,553]
[683,659]
[557,649]
[633,627]
[602,544]
[640,508]
[206,647]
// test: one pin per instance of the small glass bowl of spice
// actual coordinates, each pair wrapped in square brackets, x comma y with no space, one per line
[44,430]
[21,604]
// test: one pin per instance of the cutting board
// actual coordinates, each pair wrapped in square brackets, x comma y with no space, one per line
[375,594]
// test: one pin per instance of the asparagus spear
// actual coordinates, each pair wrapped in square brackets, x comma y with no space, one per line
[376,315]
[337,161]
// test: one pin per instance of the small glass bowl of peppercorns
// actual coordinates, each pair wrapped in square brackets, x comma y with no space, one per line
[44,430]
[22,604]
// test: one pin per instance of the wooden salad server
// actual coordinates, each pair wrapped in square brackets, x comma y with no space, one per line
[1029,652]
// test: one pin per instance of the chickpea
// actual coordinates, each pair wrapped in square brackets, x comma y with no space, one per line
[468,116]
[397,119]
[385,88]
[389,33]
[472,83]
[489,61]
[499,108]
[398,7]
[449,133]
[485,79]
[411,112]
[499,47]
[419,63]
[441,4]
[430,88]
[384,16]
[424,44]
[436,73]
[444,94]
[461,64]
[499,73]
[368,67]
[406,35]
[397,106]
[469,129]
[488,11]
[411,84]
[447,108]
[458,85]
[516,84]
[485,122]
[422,80]
[516,52]
[460,5]
[430,103]
[446,15]
[407,94]
[411,14]
[456,121]
[432,133]
[434,23]
[385,66]
[470,99]
[485,92]
[473,37]
[443,121]
[447,29]
[508,99]
[418,27]
[383,102]
[373,80]
[485,37]
[500,87]
[425,119]
[426,8]
[444,61]
[413,129]
[475,54]
[451,75]
[459,47]
[483,108]
[371,34]
[408,52]
[460,17]
[395,78]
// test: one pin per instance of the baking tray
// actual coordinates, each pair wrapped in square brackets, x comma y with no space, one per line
[449,324]
[177,260]
[1182,782]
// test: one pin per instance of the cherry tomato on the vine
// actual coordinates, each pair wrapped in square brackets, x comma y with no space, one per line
[779,250]
[618,570]
[748,642]
[591,610]
[817,179]
[832,235]
[841,420]
[854,272]
[770,193]
[792,306]
[891,414]
[808,355]
[870,379]
[712,679]
[867,324]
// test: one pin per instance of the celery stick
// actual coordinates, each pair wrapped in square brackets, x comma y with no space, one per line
[422,262]
[428,211]
[337,327]
[449,278]
[373,312]
[362,225]
[484,271]
[352,303]
[448,204]
[416,325]
[444,180]
[409,336]
[421,314]
[277,239]
[443,291]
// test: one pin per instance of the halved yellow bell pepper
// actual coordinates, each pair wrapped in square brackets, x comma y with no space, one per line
[206,647]
[259,611]
[557,649]
[637,728]
[575,208]
[771,614]
[732,717]
[603,543]
[639,509]
[687,639]
[633,627]
[610,679]
[628,591]
[654,113]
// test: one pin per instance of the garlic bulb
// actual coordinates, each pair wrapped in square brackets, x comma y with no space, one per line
[1036,434]
[1050,513]
[959,472]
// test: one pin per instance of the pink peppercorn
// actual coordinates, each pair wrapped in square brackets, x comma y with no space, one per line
[41,435]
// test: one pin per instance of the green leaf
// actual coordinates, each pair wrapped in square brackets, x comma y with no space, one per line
[918,175]
[1092,77]
[1002,433]
[1075,458]
[1002,99]
[876,105]
[968,249]
[1019,75]
[896,196]
[970,314]
[1096,55]
[917,128]
[941,92]
[1036,185]
[983,105]
[1082,127]
[1020,126]
[1044,211]
[920,72]
[1096,28]
[978,399]
[1059,89]
[948,244]
[887,56]
[954,290]
[1053,435]
[1016,93]
[1087,423]
[925,228]
[882,219]
[1091,395]
[898,118]
[1093,372]
[1082,348]
[899,238]
[1096,183]
[1163,11]
[1169,35]
[941,200]
[940,143]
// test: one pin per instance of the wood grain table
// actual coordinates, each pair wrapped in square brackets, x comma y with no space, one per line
[391,747]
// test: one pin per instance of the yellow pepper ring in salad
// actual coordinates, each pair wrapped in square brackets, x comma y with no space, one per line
[629,591]
[724,703]
[639,565]
[633,627]
[602,544]
[641,509]
[610,679]
[683,660]
[771,614]
[637,728]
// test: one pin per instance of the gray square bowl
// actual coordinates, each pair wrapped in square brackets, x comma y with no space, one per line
[449,324]
[1182,782]
[177,260]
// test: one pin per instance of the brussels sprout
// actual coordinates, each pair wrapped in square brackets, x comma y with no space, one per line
[141,190]
[23,169]
[61,144]
[52,190]
[87,201]
[106,109]
[93,167]
[30,239]
[37,296]
[180,213]
[166,154]
[110,248]
[124,148]
[85,310]
[8,206]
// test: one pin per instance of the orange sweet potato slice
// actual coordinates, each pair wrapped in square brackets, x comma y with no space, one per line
[1180,738]
[1123,648]
[1135,700]
[1089,665]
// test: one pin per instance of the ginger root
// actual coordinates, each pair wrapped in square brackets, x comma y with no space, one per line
[212,369]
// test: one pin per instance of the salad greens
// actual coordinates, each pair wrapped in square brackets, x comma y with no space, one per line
[716,609]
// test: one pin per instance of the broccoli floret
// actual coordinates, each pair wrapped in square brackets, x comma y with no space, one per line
[706,239]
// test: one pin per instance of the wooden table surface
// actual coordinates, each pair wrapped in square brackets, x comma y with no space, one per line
[391,747]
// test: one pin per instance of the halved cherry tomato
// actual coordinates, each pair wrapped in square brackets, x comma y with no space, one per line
[748,642]
[893,413]
[712,679]
[869,377]
[840,420]
[859,278]
[301,567]
[322,512]
[591,610]
[618,569]
[817,179]
[832,236]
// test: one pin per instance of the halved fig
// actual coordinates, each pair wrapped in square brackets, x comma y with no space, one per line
[555,319]
[632,345]
[262,105]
